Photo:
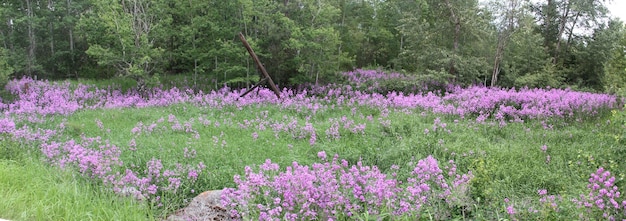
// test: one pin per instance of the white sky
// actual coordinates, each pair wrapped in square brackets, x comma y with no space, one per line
[618,9]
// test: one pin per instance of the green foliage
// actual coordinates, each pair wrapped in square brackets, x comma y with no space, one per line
[5,69]
[308,41]
[615,75]
[130,49]
[550,76]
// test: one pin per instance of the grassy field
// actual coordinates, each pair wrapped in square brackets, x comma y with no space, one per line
[32,190]
[109,161]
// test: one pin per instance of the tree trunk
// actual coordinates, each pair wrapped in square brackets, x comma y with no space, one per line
[52,52]
[342,25]
[509,27]
[571,31]
[548,23]
[51,27]
[193,45]
[32,46]
[70,32]
[498,60]
[562,24]
[457,32]
[10,36]
[216,74]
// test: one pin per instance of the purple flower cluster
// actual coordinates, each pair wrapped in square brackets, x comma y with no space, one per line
[46,98]
[101,161]
[603,197]
[331,189]
[549,201]
[321,191]
[91,162]
[7,125]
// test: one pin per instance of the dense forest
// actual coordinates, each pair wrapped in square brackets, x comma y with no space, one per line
[506,43]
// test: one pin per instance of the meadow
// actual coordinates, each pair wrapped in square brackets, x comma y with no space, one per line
[349,151]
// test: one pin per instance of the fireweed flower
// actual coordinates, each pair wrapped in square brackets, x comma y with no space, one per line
[345,189]
[544,148]
[603,196]
[321,155]
[324,190]
[6,125]
[255,136]
[510,210]
[132,145]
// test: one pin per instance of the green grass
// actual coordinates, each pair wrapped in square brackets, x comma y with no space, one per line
[32,190]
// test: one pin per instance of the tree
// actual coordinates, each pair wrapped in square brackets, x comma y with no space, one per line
[615,75]
[130,46]
[507,16]
[594,55]
[526,55]
[442,46]
[561,18]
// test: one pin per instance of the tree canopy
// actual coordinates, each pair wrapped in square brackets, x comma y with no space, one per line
[506,43]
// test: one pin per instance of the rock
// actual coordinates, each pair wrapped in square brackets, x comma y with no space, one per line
[205,206]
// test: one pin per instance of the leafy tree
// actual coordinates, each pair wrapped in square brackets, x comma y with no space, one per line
[508,13]
[593,55]
[505,44]
[615,76]
[130,46]
[526,55]
[444,39]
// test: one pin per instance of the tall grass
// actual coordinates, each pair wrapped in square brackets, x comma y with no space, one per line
[32,190]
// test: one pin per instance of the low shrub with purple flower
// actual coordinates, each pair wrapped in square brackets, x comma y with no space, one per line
[335,190]
[604,198]
[6,125]
[167,145]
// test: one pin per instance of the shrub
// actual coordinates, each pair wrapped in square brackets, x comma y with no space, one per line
[334,190]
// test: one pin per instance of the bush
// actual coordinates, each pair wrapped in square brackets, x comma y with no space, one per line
[336,191]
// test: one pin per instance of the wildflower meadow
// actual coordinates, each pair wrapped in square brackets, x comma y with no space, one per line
[352,150]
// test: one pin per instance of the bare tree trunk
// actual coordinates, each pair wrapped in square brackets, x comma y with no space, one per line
[52,51]
[562,24]
[32,46]
[457,32]
[216,74]
[342,25]
[503,38]
[571,31]
[548,25]
[51,28]
[70,31]
[71,34]
[193,45]
[497,61]
[10,36]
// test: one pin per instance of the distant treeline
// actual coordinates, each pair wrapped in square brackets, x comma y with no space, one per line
[508,43]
